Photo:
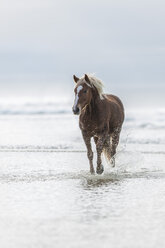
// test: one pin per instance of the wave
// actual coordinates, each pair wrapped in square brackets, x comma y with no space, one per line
[143,124]
[145,119]
[68,149]
[33,108]
[135,119]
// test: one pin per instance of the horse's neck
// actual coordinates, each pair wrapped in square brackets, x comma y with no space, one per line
[93,108]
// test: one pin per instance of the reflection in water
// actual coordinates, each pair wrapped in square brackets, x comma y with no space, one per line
[101,182]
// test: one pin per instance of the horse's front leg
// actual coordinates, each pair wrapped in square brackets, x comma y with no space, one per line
[87,141]
[99,149]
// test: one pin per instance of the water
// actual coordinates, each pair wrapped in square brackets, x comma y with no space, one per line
[48,197]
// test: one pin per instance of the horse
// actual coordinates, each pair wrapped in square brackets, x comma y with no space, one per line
[100,117]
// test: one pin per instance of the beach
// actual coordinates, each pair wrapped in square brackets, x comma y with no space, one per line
[59,56]
[49,198]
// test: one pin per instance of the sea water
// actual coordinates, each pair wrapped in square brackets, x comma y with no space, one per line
[48,197]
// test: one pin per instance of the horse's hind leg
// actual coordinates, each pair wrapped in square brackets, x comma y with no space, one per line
[114,143]
[99,149]
[87,141]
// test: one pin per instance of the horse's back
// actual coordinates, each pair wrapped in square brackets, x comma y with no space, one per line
[117,104]
[115,99]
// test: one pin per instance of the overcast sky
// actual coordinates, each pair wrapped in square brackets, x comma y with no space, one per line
[122,41]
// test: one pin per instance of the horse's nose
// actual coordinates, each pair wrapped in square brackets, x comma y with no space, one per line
[76,111]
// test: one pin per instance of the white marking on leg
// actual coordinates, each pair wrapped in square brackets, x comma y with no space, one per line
[79,88]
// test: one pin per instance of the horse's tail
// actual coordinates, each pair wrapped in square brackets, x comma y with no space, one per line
[107,154]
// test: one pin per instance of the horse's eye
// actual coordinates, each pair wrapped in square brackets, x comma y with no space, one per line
[85,91]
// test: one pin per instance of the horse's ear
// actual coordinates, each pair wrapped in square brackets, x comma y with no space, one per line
[87,78]
[75,78]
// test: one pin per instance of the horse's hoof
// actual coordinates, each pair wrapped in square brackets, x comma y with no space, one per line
[92,172]
[100,170]
[112,161]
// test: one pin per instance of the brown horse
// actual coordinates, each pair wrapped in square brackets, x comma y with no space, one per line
[100,116]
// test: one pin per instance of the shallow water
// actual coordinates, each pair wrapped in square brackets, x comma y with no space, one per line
[49,199]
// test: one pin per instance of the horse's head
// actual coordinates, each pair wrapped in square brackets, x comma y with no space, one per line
[83,93]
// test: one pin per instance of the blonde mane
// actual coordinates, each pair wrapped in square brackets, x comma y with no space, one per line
[95,82]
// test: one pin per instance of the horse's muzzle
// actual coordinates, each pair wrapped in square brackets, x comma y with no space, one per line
[76,111]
